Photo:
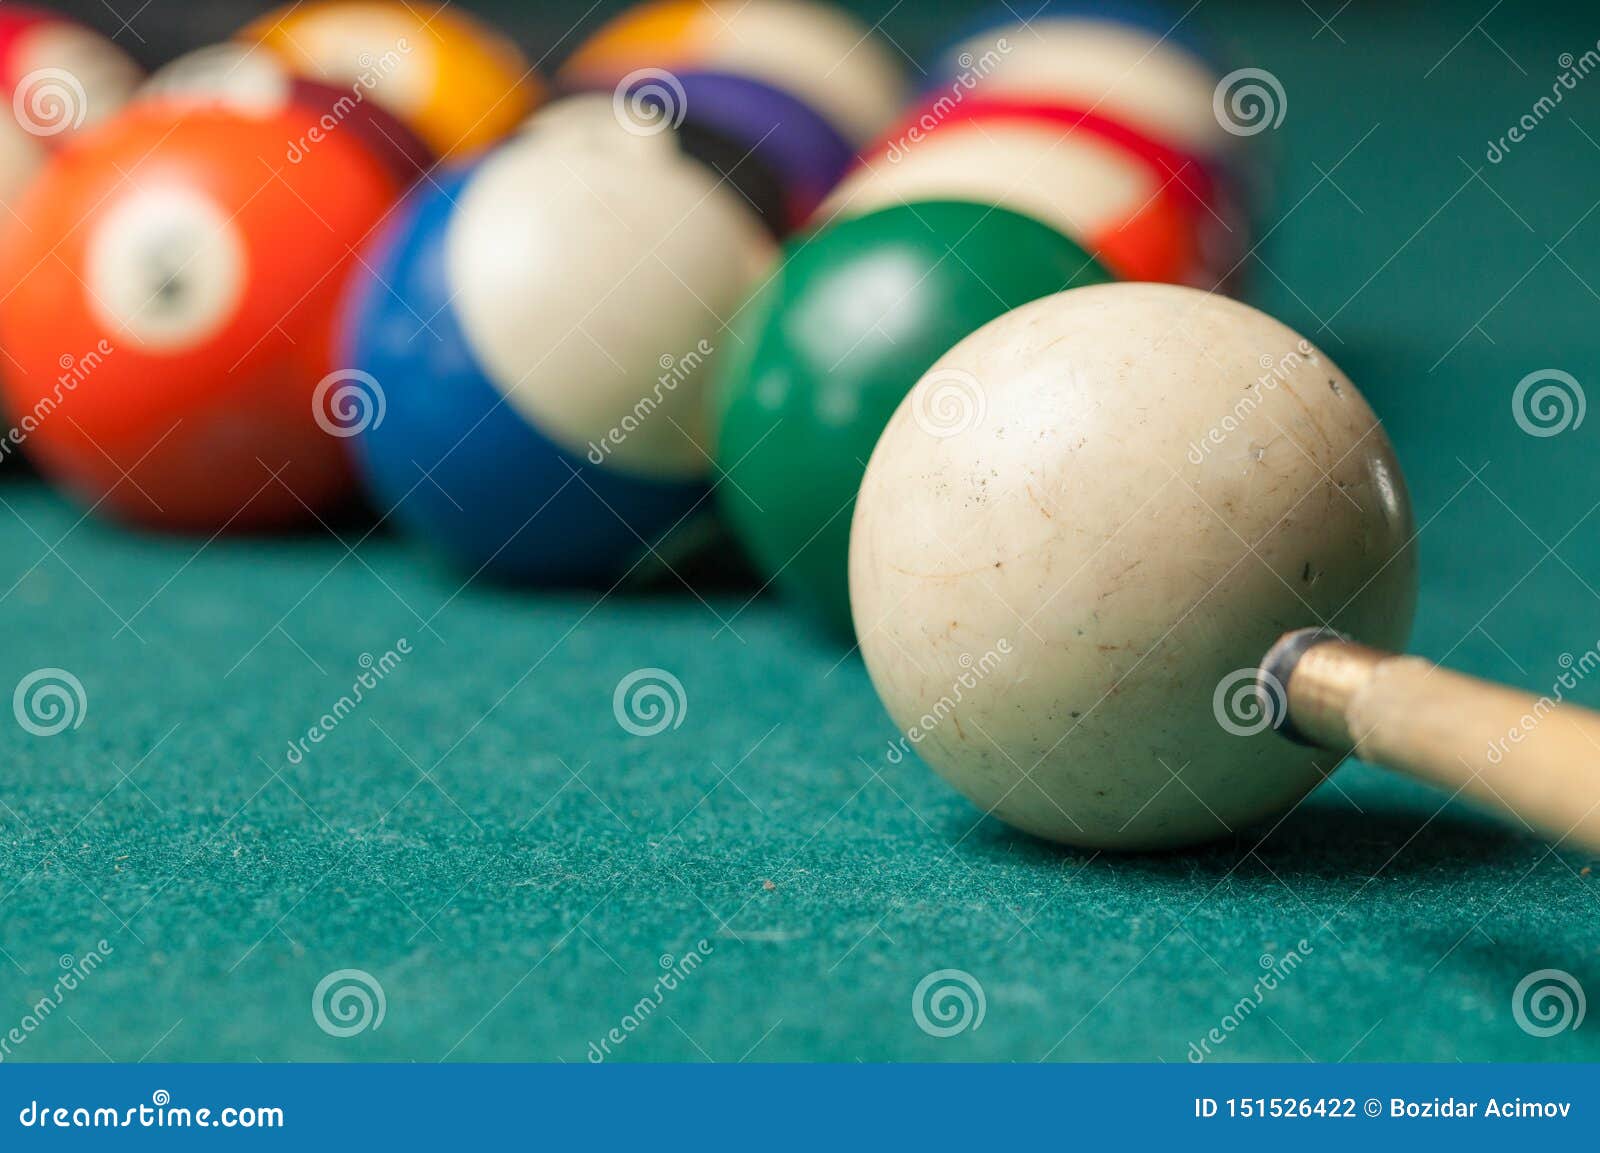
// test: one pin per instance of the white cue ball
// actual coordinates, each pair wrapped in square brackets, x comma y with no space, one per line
[1081,532]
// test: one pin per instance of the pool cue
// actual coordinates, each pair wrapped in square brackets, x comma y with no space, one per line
[1410,715]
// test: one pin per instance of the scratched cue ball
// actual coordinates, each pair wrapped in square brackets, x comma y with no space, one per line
[1079,527]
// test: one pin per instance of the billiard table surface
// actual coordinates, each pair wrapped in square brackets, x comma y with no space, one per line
[517,870]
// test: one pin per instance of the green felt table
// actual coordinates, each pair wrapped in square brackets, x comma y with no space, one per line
[512,866]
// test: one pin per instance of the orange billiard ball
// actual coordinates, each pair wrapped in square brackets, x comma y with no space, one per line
[170,315]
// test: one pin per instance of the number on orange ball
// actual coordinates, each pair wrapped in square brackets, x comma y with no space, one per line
[174,281]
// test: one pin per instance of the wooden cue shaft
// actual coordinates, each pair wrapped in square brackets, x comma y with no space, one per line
[1526,755]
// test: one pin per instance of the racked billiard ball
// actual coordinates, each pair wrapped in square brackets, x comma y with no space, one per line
[252,81]
[815,52]
[832,344]
[542,324]
[457,83]
[777,95]
[171,316]
[1138,63]
[57,79]
[1148,212]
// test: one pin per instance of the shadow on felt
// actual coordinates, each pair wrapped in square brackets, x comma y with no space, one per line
[1321,840]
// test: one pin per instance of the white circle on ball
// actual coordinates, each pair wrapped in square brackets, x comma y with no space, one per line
[166,267]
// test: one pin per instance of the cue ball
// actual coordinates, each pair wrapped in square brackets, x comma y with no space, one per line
[1080,533]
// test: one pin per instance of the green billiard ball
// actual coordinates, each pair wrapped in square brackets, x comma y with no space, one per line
[823,354]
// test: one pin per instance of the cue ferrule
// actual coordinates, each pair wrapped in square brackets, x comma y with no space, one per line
[1533,757]
[1314,676]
